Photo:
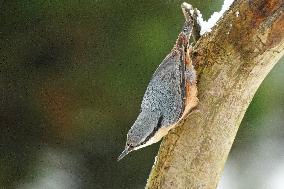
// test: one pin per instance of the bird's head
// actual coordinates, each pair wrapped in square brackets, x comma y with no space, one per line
[142,133]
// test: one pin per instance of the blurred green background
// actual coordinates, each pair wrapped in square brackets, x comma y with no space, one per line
[73,74]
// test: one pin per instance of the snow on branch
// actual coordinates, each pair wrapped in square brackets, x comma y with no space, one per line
[206,26]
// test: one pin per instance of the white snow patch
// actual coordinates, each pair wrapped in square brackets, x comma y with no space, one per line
[207,25]
[237,14]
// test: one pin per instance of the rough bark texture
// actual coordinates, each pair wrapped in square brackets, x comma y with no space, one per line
[232,61]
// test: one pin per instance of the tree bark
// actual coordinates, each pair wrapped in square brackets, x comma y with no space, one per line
[231,62]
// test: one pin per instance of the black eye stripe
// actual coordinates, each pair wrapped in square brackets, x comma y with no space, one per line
[159,124]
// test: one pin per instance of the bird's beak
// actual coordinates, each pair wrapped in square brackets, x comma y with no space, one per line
[124,153]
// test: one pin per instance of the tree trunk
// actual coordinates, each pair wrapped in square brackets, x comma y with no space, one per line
[231,61]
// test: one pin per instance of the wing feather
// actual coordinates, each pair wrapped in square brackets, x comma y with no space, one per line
[166,91]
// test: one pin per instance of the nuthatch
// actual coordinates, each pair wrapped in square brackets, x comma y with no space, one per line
[171,93]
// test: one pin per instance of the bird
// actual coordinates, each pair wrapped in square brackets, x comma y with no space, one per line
[171,93]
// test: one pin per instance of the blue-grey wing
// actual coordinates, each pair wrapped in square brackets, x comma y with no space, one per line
[165,93]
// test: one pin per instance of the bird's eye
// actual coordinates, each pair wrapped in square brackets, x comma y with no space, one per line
[129,145]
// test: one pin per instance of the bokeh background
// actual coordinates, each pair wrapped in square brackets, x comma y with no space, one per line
[73,74]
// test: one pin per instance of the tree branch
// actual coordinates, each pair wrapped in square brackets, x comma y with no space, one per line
[231,61]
